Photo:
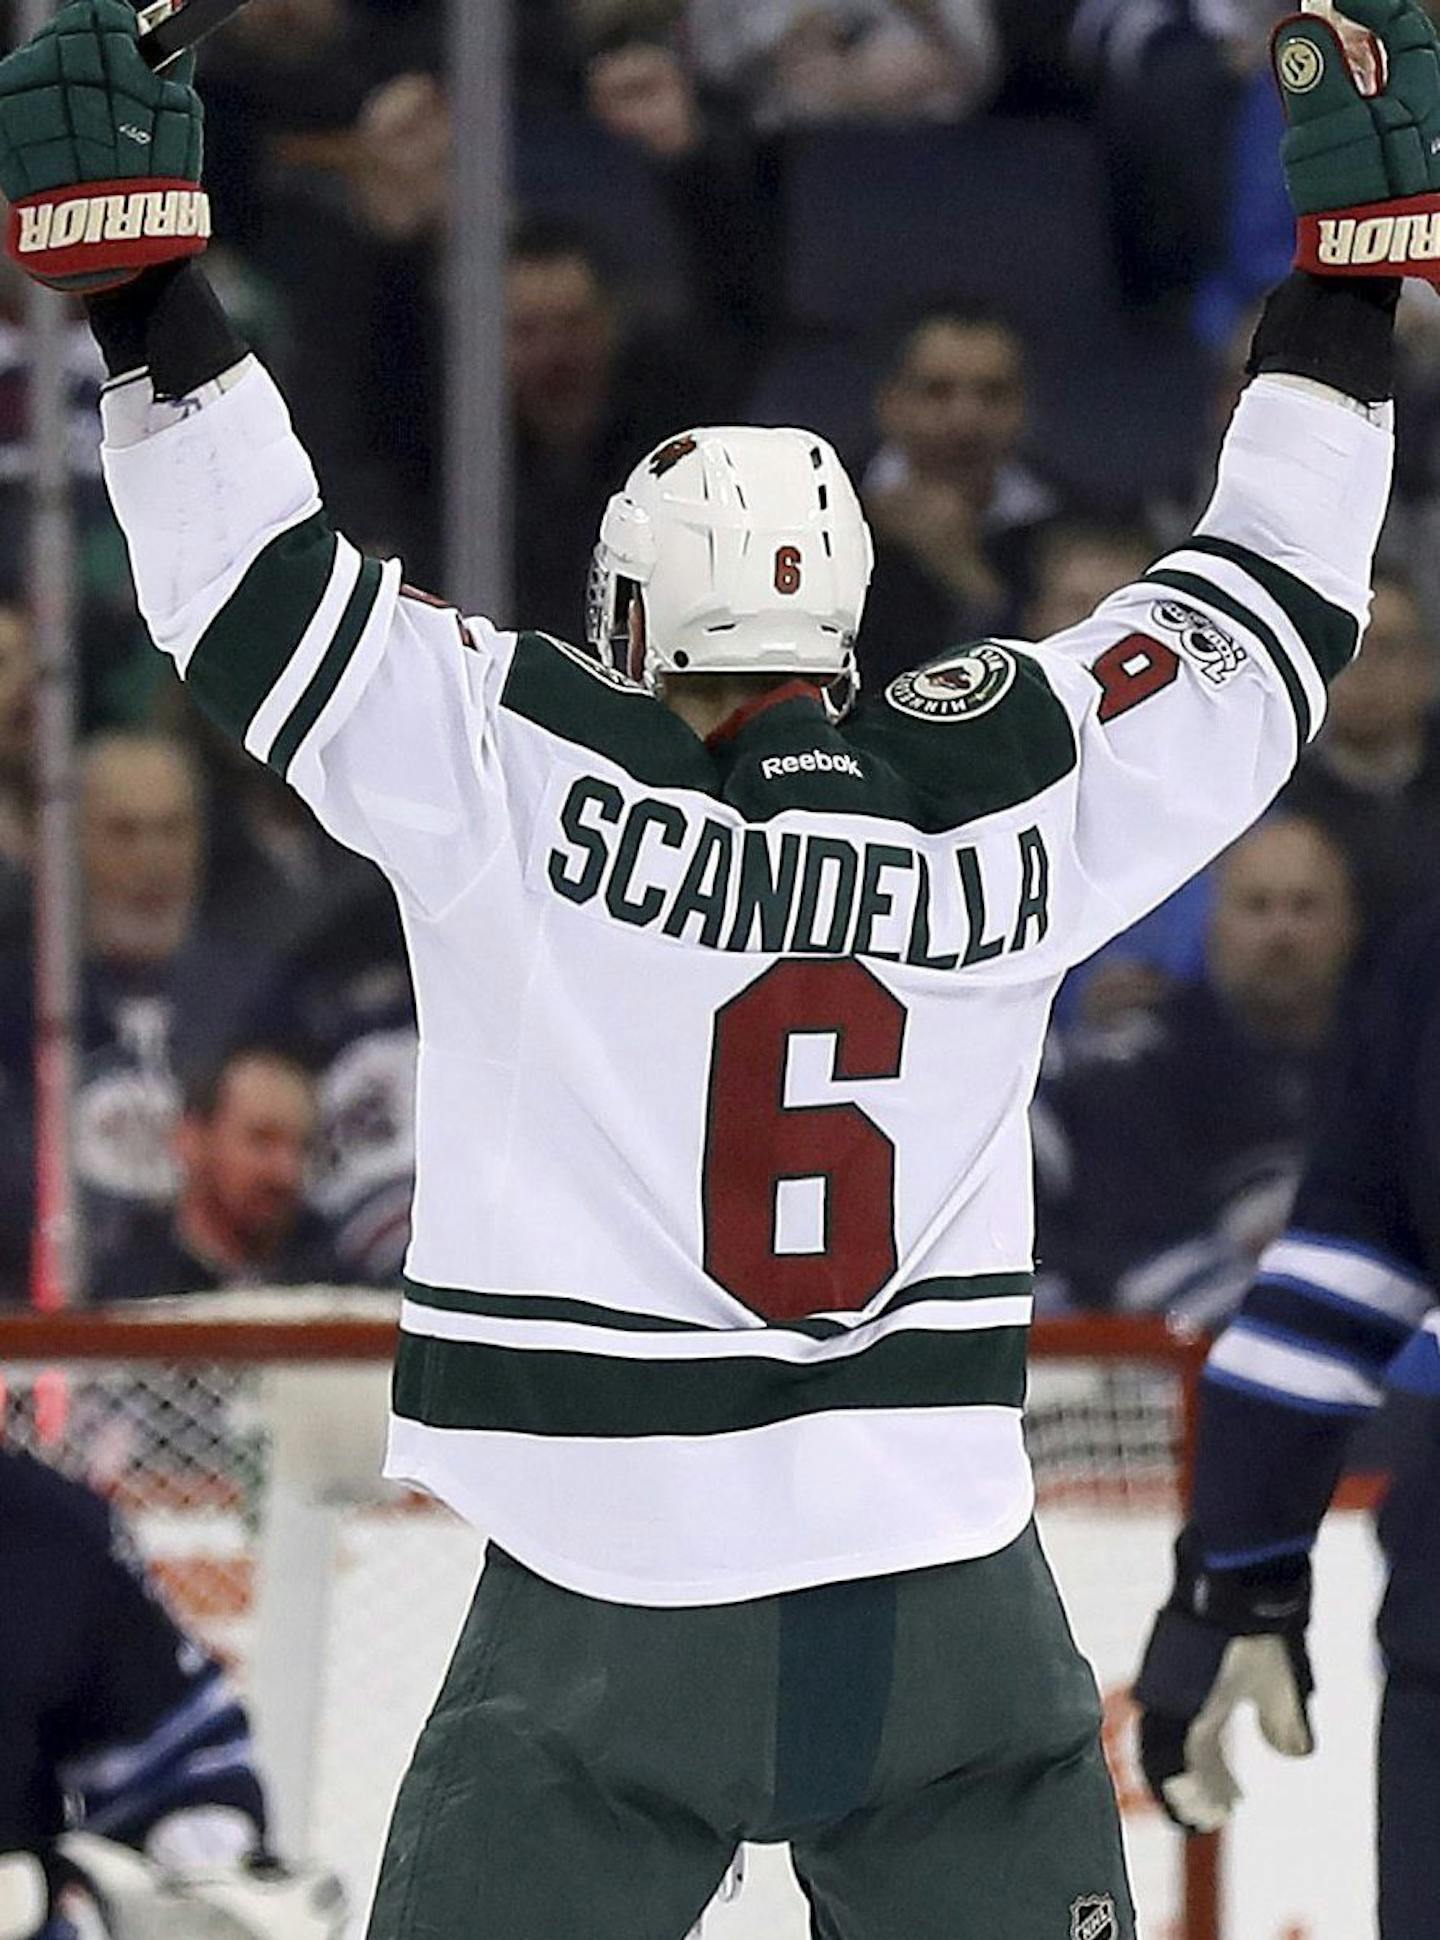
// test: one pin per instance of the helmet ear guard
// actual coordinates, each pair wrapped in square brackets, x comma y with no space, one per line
[608,600]
[619,569]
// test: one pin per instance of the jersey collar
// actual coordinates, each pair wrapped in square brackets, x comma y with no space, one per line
[793,690]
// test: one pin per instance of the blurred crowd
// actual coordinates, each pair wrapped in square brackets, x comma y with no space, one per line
[1006,254]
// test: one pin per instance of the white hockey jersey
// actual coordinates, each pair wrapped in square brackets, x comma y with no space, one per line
[720,1270]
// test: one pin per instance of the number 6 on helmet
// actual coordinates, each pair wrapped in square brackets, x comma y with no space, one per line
[748,553]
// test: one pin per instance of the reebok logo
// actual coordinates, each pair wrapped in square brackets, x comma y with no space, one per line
[94,219]
[818,762]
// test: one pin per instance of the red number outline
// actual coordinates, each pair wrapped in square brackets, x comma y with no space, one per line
[789,570]
[1126,685]
[754,1140]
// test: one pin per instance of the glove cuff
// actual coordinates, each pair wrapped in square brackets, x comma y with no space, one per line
[1258,1600]
[171,323]
[1376,239]
[1339,332]
[87,238]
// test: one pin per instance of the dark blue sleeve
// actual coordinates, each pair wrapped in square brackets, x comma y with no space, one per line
[1342,1294]
[155,1726]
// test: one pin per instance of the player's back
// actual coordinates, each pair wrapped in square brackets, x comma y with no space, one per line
[721,1249]
[722,1105]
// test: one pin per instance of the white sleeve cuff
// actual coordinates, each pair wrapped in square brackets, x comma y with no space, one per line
[131,412]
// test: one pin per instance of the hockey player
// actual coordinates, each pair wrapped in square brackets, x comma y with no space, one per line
[1344,1307]
[731,998]
[113,1720]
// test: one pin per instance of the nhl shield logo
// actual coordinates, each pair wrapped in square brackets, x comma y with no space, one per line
[957,688]
[1093,1918]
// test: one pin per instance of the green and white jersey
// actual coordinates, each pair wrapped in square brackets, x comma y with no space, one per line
[720,1275]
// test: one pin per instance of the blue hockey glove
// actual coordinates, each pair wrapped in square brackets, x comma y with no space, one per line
[1225,1638]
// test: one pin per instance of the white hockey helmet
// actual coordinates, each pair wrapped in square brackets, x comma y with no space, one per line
[749,553]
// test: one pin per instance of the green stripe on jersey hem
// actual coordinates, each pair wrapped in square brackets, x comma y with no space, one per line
[473,1385]
[253,638]
[543,1306]
[1207,591]
[1331,635]
[326,678]
[589,1313]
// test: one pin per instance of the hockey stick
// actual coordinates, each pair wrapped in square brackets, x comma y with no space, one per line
[170,28]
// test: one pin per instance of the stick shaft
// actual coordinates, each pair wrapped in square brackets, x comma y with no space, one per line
[170,28]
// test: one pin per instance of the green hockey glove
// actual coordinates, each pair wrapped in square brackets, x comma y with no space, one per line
[1363,170]
[99,157]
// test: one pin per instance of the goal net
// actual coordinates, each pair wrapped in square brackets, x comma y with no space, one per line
[242,1439]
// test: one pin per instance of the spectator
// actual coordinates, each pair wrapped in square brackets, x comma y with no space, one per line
[643,92]
[342,998]
[1079,563]
[406,36]
[589,398]
[110,639]
[161,987]
[956,510]
[402,173]
[1373,778]
[269,866]
[547,57]
[1162,85]
[243,1144]
[721,185]
[1173,1142]
[329,142]
[17,773]
[795,61]
[284,73]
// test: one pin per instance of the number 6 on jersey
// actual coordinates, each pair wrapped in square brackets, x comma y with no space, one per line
[755,1142]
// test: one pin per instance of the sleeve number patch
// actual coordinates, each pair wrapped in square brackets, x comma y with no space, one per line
[788,570]
[1133,670]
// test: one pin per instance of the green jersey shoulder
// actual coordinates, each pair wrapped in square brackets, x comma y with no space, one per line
[974,733]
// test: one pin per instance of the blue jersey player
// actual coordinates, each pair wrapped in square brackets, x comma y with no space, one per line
[1342,1316]
[112,1721]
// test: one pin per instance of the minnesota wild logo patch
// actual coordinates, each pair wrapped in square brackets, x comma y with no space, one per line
[956,688]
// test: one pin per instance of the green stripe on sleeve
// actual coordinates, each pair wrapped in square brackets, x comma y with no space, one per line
[1208,593]
[1330,633]
[538,1391]
[326,678]
[251,640]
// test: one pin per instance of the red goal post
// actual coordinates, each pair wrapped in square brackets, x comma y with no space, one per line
[242,1435]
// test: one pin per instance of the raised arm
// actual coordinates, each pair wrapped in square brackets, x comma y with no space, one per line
[1194,690]
[372,703]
